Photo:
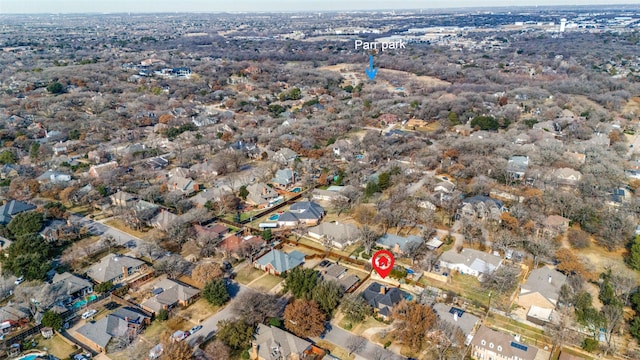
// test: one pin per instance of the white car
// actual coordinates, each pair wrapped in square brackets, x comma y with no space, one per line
[19,280]
[89,313]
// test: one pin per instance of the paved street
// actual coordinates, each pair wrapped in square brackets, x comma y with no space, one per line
[367,351]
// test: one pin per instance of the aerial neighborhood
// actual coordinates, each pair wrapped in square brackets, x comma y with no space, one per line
[218,186]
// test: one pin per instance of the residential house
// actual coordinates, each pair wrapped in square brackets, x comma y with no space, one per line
[213,195]
[541,292]
[465,321]
[206,170]
[11,209]
[566,177]
[490,344]
[210,232]
[277,262]
[470,262]
[101,170]
[261,195]
[240,246]
[383,299]
[272,343]
[163,220]
[184,185]
[555,225]
[284,178]
[399,245]
[53,177]
[303,212]
[168,294]
[73,285]
[446,187]
[123,199]
[568,356]
[116,269]
[517,167]
[13,316]
[284,156]
[480,207]
[340,235]
[340,275]
[157,163]
[126,321]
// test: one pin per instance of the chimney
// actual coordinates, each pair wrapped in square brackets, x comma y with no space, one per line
[549,279]
[383,289]
[264,190]
[125,271]
[455,316]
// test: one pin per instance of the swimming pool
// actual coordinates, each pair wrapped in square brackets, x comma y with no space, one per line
[274,217]
[32,356]
[296,190]
[80,303]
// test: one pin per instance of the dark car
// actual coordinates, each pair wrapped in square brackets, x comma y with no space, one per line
[324,263]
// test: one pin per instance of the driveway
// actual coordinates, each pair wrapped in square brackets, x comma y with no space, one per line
[368,350]
[210,325]
[98,228]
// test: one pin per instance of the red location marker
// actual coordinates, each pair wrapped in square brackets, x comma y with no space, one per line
[382,261]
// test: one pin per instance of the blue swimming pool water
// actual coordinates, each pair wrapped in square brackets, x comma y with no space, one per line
[274,217]
[80,303]
[30,356]
[296,190]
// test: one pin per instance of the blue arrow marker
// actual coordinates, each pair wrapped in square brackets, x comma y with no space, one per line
[371,71]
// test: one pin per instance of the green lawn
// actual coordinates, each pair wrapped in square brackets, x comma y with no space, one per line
[267,283]
[247,274]
[56,346]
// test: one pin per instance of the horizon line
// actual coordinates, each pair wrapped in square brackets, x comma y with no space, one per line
[433,8]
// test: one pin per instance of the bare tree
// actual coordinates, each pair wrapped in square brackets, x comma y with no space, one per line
[255,308]
[355,344]
[369,237]
[173,266]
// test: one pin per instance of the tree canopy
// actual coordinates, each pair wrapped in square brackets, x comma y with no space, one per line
[300,281]
[304,318]
[25,223]
[216,293]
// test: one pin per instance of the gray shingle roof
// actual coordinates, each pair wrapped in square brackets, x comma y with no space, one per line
[111,266]
[464,320]
[281,261]
[11,208]
[378,300]
[545,281]
[503,344]
[71,283]
[274,343]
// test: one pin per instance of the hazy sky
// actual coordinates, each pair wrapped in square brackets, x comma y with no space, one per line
[100,6]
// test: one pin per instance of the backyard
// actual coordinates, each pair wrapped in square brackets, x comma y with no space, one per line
[56,346]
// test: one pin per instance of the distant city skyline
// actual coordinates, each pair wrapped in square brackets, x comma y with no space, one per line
[158,6]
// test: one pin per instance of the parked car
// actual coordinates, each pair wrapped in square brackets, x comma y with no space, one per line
[179,335]
[89,313]
[19,280]
[195,329]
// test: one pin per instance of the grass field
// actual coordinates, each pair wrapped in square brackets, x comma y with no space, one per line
[335,350]
[247,274]
[56,346]
[199,310]
[119,224]
[267,283]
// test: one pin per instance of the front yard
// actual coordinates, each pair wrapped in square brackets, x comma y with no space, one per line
[247,273]
[120,225]
[266,283]
[198,311]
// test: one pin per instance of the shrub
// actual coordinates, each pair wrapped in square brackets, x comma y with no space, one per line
[590,344]
[579,239]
